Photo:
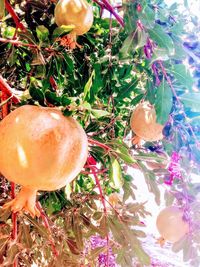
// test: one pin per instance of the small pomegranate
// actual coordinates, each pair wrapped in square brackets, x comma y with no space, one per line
[143,123]
[40,149]
[74,12]
[171,225]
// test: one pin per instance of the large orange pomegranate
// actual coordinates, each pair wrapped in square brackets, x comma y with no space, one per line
[74,12]
[40,149]
[143,123]
[171,225]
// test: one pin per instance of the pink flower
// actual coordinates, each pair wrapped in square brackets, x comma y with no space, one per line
[174,169]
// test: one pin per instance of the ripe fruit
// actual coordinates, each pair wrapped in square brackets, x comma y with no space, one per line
[143,123]
[171,225]
[40,149]
[74,12]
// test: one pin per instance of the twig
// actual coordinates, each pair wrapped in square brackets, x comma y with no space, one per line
[5,88]
[53,83]
[34,46]
[95,142]
[5,111]
[105,4]
[13,14]
[46,224]
[93,168]
[4,104]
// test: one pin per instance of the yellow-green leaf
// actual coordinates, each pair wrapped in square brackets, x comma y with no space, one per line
[115,172]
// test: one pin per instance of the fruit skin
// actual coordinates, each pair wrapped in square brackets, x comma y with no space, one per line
[171,225]
[143,123]
[40,149]
[74,12]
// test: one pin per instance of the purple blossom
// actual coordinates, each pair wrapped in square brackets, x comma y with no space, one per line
[155,71]
[104,259]
[174,169]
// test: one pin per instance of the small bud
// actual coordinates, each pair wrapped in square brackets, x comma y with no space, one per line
[139,8]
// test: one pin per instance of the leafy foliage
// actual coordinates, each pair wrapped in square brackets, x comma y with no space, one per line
[100,84]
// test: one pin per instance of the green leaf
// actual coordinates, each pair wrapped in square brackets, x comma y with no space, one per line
[100,113]
[65,100]
[127,89]
[3,244]
[97,215]
[186,4]
[28,35]
[41,229]
[132,42]
[26,238]
[88,85]
[182,75]
[59,31]
[4,214]
[52,97]
[151,182]
[128,191]
[163,102]
[142,255]
[2,9]
[147,17]
[126,158]
[9,32]
[42,33]
[115,172]
[36,93]
[12,253]
[191,100]
[162,39]
[160,54]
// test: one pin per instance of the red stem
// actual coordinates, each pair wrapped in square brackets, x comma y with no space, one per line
[97,172]
[5,88]
[15,17]
[95,142]
[93,168]
[18,43]
[46,224]
[4,108]
[53,83]
[111,9]
[5,111]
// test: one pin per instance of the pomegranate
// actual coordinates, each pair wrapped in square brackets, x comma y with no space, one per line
[171,225]
[74,12]
[40,149]
[144,125]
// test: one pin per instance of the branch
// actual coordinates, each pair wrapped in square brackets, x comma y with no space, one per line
[46,224]
[5,87]
[18,43]
[13,14]
[5,111]
[105,4]
[95,142]
[93,169]
[53,83]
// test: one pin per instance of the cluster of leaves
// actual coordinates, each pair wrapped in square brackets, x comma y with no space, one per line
[99,84]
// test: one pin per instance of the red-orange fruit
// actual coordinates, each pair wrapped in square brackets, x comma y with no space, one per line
[40,149]
[171,225]
[143,123]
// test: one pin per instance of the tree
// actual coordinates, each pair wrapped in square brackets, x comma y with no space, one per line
[121,62]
